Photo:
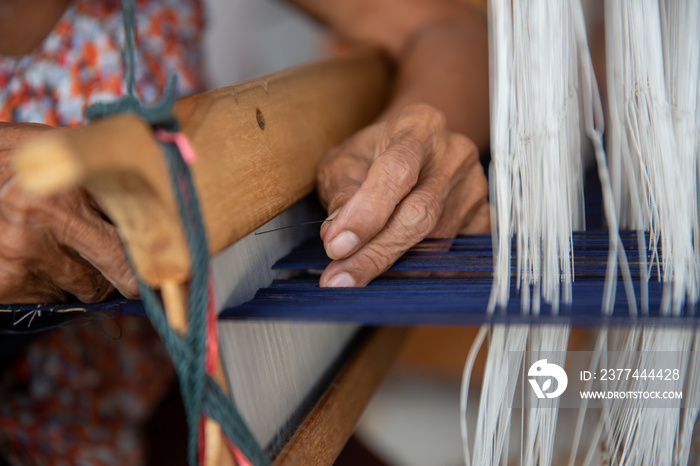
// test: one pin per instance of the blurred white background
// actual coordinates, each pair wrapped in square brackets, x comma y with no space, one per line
[247,38]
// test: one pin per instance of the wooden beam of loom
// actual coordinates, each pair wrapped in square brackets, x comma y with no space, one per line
[258,146]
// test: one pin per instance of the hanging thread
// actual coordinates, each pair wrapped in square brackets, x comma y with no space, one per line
[192,358]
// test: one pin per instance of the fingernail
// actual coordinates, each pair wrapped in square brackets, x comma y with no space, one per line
[333,214]
[326,223]
[342,280]
[342,245]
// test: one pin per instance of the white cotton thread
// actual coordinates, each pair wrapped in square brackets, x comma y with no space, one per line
[649,182]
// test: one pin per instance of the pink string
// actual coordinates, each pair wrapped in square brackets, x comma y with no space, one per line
[238,455]
[183,143]
[212,335]
[212,354]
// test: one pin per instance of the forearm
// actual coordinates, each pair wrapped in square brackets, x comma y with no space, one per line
[446,65]
[439,46]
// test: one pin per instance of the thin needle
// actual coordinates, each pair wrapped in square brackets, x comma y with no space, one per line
[292,226]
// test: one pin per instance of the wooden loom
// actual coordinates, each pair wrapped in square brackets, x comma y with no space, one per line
[261,121]
[258,145]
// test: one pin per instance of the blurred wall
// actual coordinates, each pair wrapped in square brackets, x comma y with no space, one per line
[247,38]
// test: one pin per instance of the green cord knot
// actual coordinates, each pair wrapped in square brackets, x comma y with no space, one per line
[160,115]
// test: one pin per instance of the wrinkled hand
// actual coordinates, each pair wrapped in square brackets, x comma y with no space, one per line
[54,247]
[394,184]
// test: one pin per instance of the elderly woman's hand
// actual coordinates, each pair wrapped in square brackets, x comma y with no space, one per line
[394,184]
[53,248]
[413,174]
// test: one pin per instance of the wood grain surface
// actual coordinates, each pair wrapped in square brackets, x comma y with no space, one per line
[258,144]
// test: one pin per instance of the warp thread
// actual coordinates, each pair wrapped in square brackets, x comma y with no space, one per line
[536,85]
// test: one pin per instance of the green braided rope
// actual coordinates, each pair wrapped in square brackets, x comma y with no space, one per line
[193,368]
[129,20]
[199,391]
[215,403]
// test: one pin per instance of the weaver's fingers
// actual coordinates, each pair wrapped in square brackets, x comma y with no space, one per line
[393,174]
[466,209]
[340,176]
[76,225]
[415,217]
[36,268]
[388,181]
[76,276]
[97,241]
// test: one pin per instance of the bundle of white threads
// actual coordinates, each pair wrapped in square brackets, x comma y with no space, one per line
[537,185]
[540,72]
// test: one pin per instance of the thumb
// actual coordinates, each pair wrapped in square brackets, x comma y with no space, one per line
[338,181]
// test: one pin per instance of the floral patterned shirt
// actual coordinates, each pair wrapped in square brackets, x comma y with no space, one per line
[75,396]
[80,62]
